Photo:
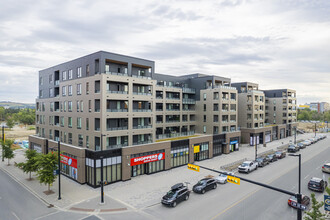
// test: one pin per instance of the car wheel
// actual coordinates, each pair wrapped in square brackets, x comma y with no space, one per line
[225,182]
[214,186]
[186,198]
[203,191]
[174,204]
[256,168]
[248,171]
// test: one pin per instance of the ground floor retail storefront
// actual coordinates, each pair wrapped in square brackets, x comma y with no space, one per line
[85,165]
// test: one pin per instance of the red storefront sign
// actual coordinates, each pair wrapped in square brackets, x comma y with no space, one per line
[147,159]
[69,161]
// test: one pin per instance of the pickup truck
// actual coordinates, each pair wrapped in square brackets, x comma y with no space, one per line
[248,166]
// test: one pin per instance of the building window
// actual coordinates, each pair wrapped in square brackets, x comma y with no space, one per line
[70,138]
[79,74]
[69,90]
[81,106]
[204,96]
[64,107]
[70,74]
[64,75]
[204,107]
[51,106]
[69,106]
[50,78]
[41,81]
[215,118]
[87,141]
[78,106]
[78,89]
[204,118]
[79,123]
[87,70]
[87,124]
[80,140]
[90,105]
[40,93]
[63,90]
[204,129]
[69,122]
[50,92]
[87,88]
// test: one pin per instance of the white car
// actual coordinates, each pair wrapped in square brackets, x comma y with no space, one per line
[222,178]
[326,168]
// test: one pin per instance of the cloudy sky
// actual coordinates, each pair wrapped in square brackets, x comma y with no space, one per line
[276,43]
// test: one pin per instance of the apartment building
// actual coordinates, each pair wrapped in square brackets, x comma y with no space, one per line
[115,108]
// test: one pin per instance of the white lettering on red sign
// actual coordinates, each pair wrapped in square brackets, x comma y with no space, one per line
[147,159]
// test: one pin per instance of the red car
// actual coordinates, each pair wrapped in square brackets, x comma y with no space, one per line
[293,201]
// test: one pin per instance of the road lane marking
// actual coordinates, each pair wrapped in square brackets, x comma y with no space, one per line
[258,190]
[15,215]
[306,177]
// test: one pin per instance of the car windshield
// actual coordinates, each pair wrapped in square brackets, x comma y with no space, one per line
[245,164]
[201,182]
[259,159]
[171,193]
[278,153]
[327,166]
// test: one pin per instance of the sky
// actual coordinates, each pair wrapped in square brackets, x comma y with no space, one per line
[275,43]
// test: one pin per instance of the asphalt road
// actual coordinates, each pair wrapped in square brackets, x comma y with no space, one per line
[18,203]
[248,201]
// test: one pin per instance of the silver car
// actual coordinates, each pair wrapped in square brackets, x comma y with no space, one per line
[326,168]
[222,178]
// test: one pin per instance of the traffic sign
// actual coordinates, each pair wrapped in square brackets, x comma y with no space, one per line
[235,180]
[193,167]
[326,202]
[55,172]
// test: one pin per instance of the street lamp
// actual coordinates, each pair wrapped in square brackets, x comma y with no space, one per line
[299,213]
[255,139]
[3,139]
[59,168]
[102,181]
[295,135]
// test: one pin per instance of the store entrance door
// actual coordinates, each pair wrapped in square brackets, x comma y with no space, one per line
[196,156]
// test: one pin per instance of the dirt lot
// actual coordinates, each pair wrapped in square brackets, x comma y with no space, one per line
[19,133]
[309,127]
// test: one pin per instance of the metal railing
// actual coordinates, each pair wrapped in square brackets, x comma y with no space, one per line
[142,142]
[117,92]
[142,93]
[171,135]
[141,110]
[115,73]
[117,128]
[117,110]
[142,77]
[188,101]
[142,126]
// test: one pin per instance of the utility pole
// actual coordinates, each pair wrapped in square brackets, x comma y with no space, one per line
[59,169]
[255,139]
[102,181]
[3,139]
[299,196]
[315,129]
[295,135]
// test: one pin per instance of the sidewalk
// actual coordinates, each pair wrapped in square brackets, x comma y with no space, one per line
[137,193]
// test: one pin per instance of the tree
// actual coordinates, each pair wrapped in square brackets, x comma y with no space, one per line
[7,151]
[10,122]
[46,164]
[30,165]
[315,213]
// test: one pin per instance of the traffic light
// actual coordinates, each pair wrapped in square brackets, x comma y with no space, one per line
[193,167]
[235,180]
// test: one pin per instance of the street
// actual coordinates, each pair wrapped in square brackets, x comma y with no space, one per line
[248,201]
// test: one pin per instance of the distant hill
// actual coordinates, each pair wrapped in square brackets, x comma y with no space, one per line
[16,105]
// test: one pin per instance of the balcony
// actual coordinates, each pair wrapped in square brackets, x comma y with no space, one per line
[57,82]
[172,135]
[188,101]
[189,90]
[117,128]
[142,93]
[116,73]
[141,77]
[141,142]
[116,92]
[116,146]
[117,110]
[142,126]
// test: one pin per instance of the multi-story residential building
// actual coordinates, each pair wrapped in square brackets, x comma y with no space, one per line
[116,108]
[281,109]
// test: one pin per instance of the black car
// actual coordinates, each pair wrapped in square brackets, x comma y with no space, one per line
[301,145]
[204,185]
[262,161]
[280,154]
[292,149]
[317,184]
[177,194]
[272,157]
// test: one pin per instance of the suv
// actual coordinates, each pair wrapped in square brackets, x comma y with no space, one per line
[317,184]
[292,148]
[262,161]
[301,145]
[204,185]
[177,194]
[248,166]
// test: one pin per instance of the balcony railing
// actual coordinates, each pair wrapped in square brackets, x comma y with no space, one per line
[173,109]
[141,110]
[142,126]
[189,90]
[159,109]
[188,101]
[174,98]
[188,109]
[116,92]
[141,142]
[171,135]
[142,77]
[173,121]
[57,82]
[159,122]
[117,128]
[115,73]
[117,110]
[116,146]
[142,93]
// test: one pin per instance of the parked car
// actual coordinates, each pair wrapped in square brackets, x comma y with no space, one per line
[305,200]
[312,140]
[307,142]
[317,184]
[301,145]
[292,149]
[262,161]
[326,168]
[248,166]
[177,194]
[272,157]
[204,185]
[280,154]
[222,178]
